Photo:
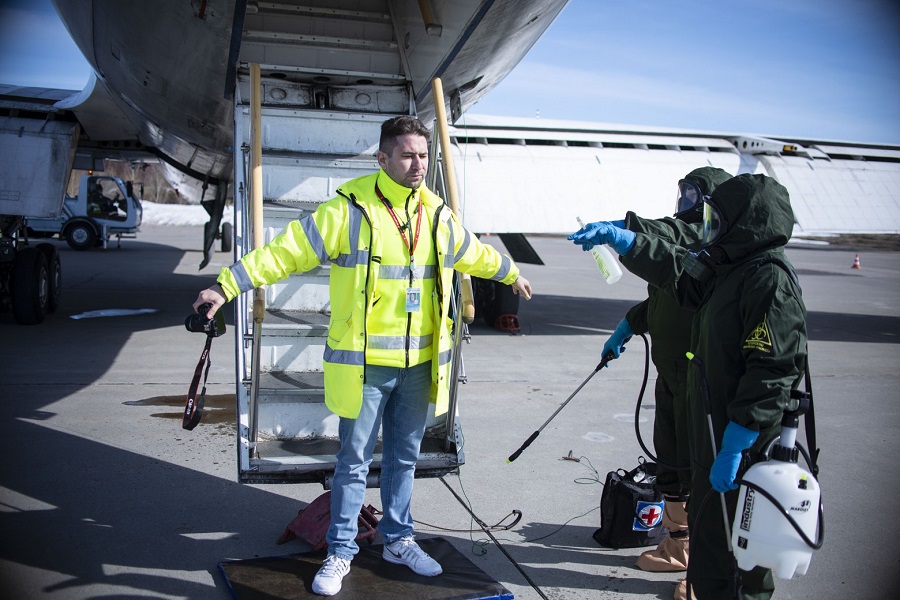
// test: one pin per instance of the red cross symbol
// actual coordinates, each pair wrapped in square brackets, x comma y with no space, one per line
[649,516]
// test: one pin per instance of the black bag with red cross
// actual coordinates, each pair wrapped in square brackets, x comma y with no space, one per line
[631,509]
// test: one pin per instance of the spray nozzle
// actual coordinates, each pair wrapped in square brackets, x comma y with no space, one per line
[791,417]
[786,449]
[704,384]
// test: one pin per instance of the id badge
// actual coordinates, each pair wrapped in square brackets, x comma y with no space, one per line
[413,299]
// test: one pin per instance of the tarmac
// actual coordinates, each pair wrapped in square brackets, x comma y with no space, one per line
[103,494]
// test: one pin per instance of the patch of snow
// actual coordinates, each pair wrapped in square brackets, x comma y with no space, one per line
[178,214]
[796,241]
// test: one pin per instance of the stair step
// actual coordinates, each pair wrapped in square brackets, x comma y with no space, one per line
[324,132]
[282,393]
[297,178]
[301,293]
[307,386]
[295,323]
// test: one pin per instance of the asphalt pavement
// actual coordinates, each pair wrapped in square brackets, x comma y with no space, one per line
[103,494]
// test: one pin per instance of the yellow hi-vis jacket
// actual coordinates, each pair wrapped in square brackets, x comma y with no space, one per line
[347,232]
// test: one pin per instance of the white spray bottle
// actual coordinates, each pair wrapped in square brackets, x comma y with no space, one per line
[606,262]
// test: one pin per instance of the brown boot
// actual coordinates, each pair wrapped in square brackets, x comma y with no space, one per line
[672,553]
[670,556]
[681,591]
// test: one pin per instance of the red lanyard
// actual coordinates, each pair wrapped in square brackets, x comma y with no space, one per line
[410,247]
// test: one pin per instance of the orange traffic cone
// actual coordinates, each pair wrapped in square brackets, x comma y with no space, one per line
[856,263]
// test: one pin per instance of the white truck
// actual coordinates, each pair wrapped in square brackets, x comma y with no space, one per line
[38,154]
[39,149]
[104,207]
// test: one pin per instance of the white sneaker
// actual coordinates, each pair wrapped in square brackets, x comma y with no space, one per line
[406,551]
[328,580]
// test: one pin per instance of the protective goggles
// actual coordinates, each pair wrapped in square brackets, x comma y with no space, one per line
[689,197]
[713,223]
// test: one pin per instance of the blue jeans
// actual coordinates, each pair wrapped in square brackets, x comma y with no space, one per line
[398,399]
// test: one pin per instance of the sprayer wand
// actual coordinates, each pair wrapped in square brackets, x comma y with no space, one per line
[704,393]
[609,356]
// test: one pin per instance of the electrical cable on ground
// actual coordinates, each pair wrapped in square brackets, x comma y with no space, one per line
[486,529]
[500,526]
[585,480]
[496,527]
[558,529]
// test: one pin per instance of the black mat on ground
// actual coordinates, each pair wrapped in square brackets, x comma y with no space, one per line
[289,577]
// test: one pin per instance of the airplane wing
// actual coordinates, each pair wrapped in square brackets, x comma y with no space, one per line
[553,171]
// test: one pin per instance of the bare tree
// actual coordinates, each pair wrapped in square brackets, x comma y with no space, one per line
[147,177]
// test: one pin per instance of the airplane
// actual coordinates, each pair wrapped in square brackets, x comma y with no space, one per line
[175,81]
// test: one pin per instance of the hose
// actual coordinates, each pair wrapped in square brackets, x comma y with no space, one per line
[637,412]
[820,537]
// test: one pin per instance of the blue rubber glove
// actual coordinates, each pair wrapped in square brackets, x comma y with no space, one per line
[618,339]
[725,468]
[604,232]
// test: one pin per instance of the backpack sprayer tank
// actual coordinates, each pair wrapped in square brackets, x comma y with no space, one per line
[766,535]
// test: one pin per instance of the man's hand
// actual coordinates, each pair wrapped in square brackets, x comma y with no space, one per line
[213,295]
[522,286]
[604,232]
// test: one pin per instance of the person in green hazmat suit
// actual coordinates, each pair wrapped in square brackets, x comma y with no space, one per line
[669,327]
[749,330]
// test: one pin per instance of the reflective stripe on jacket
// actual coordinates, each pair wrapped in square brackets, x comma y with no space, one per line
[343,231]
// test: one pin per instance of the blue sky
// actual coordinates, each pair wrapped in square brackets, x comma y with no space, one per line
[35,48]
[817,68]
[808,68]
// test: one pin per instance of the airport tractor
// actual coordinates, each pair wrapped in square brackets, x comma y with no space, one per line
[104,207]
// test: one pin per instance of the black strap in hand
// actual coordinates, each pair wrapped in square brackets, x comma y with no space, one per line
[193,408]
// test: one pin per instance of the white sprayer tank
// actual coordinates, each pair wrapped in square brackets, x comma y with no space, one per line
[761,535]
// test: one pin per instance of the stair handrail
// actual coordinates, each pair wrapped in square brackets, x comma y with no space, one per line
[468,298]
[464,314]
[256,222]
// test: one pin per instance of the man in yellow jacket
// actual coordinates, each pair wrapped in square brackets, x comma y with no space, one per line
[393,246]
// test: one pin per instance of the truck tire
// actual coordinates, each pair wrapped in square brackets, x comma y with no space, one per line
[54,269]
[227,237]
[30,287]
[81,235]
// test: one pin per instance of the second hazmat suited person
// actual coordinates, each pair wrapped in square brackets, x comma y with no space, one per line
[669,327]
